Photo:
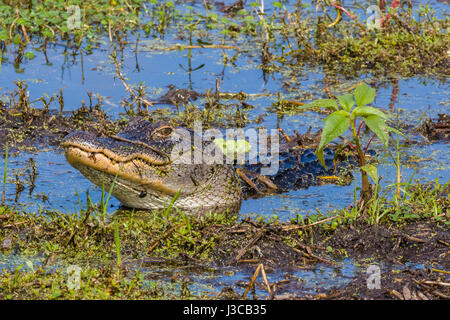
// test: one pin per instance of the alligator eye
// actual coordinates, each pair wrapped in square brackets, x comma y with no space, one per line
[164,131]
[143,194]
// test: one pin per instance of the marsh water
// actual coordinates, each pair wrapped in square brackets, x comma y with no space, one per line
[61,187]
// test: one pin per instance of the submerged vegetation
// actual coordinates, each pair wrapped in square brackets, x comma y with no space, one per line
[344,117]
[411,39]
[405,46]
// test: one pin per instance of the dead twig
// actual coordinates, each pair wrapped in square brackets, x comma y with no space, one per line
[444,284]
[292,102]
[259,269]
[440,294]
[7,216]
[164,235]
[296,227]
[206,46]
[127,88]
[248,261]
[14,224]
[247,180]
[310,254]
[267,182]
[431,289]
[14,23]
[238,231]
[327,89]
[244,249]
[410,238]
[322,259]
[266,282]
[350,15]
[444,243]
[252,280]
[286,137]
[397,294]
[25,33]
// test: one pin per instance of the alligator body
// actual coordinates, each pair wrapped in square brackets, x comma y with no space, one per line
[144,163]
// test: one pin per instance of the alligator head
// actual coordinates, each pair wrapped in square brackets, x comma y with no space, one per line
[142,163]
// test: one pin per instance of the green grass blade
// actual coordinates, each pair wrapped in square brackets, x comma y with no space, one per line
[117,243]
[175,197]
[5,169]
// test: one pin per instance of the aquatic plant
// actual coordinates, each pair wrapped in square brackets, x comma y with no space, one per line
[345,117]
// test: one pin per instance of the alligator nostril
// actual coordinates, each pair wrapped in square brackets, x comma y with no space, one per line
[142,194]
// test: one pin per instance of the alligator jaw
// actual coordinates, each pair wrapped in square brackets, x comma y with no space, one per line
[124,168]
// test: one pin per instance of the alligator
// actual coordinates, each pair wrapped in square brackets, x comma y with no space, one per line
[436,129]
[143,162]
[176,96]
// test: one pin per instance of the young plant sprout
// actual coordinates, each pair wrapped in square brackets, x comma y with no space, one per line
[349,108]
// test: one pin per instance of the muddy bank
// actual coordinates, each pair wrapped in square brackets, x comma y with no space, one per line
[413,259]
[412,254]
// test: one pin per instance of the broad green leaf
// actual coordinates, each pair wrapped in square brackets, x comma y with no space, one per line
[364,95]
[3,35]
[242,146]
[29,264]
[347,101]
[29,55]
[335,125]
[277,4]
[368,111]
[322,103]
[249,18]
[232,148]
[395,131]
[213,16]
[371,171]
[379,127]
